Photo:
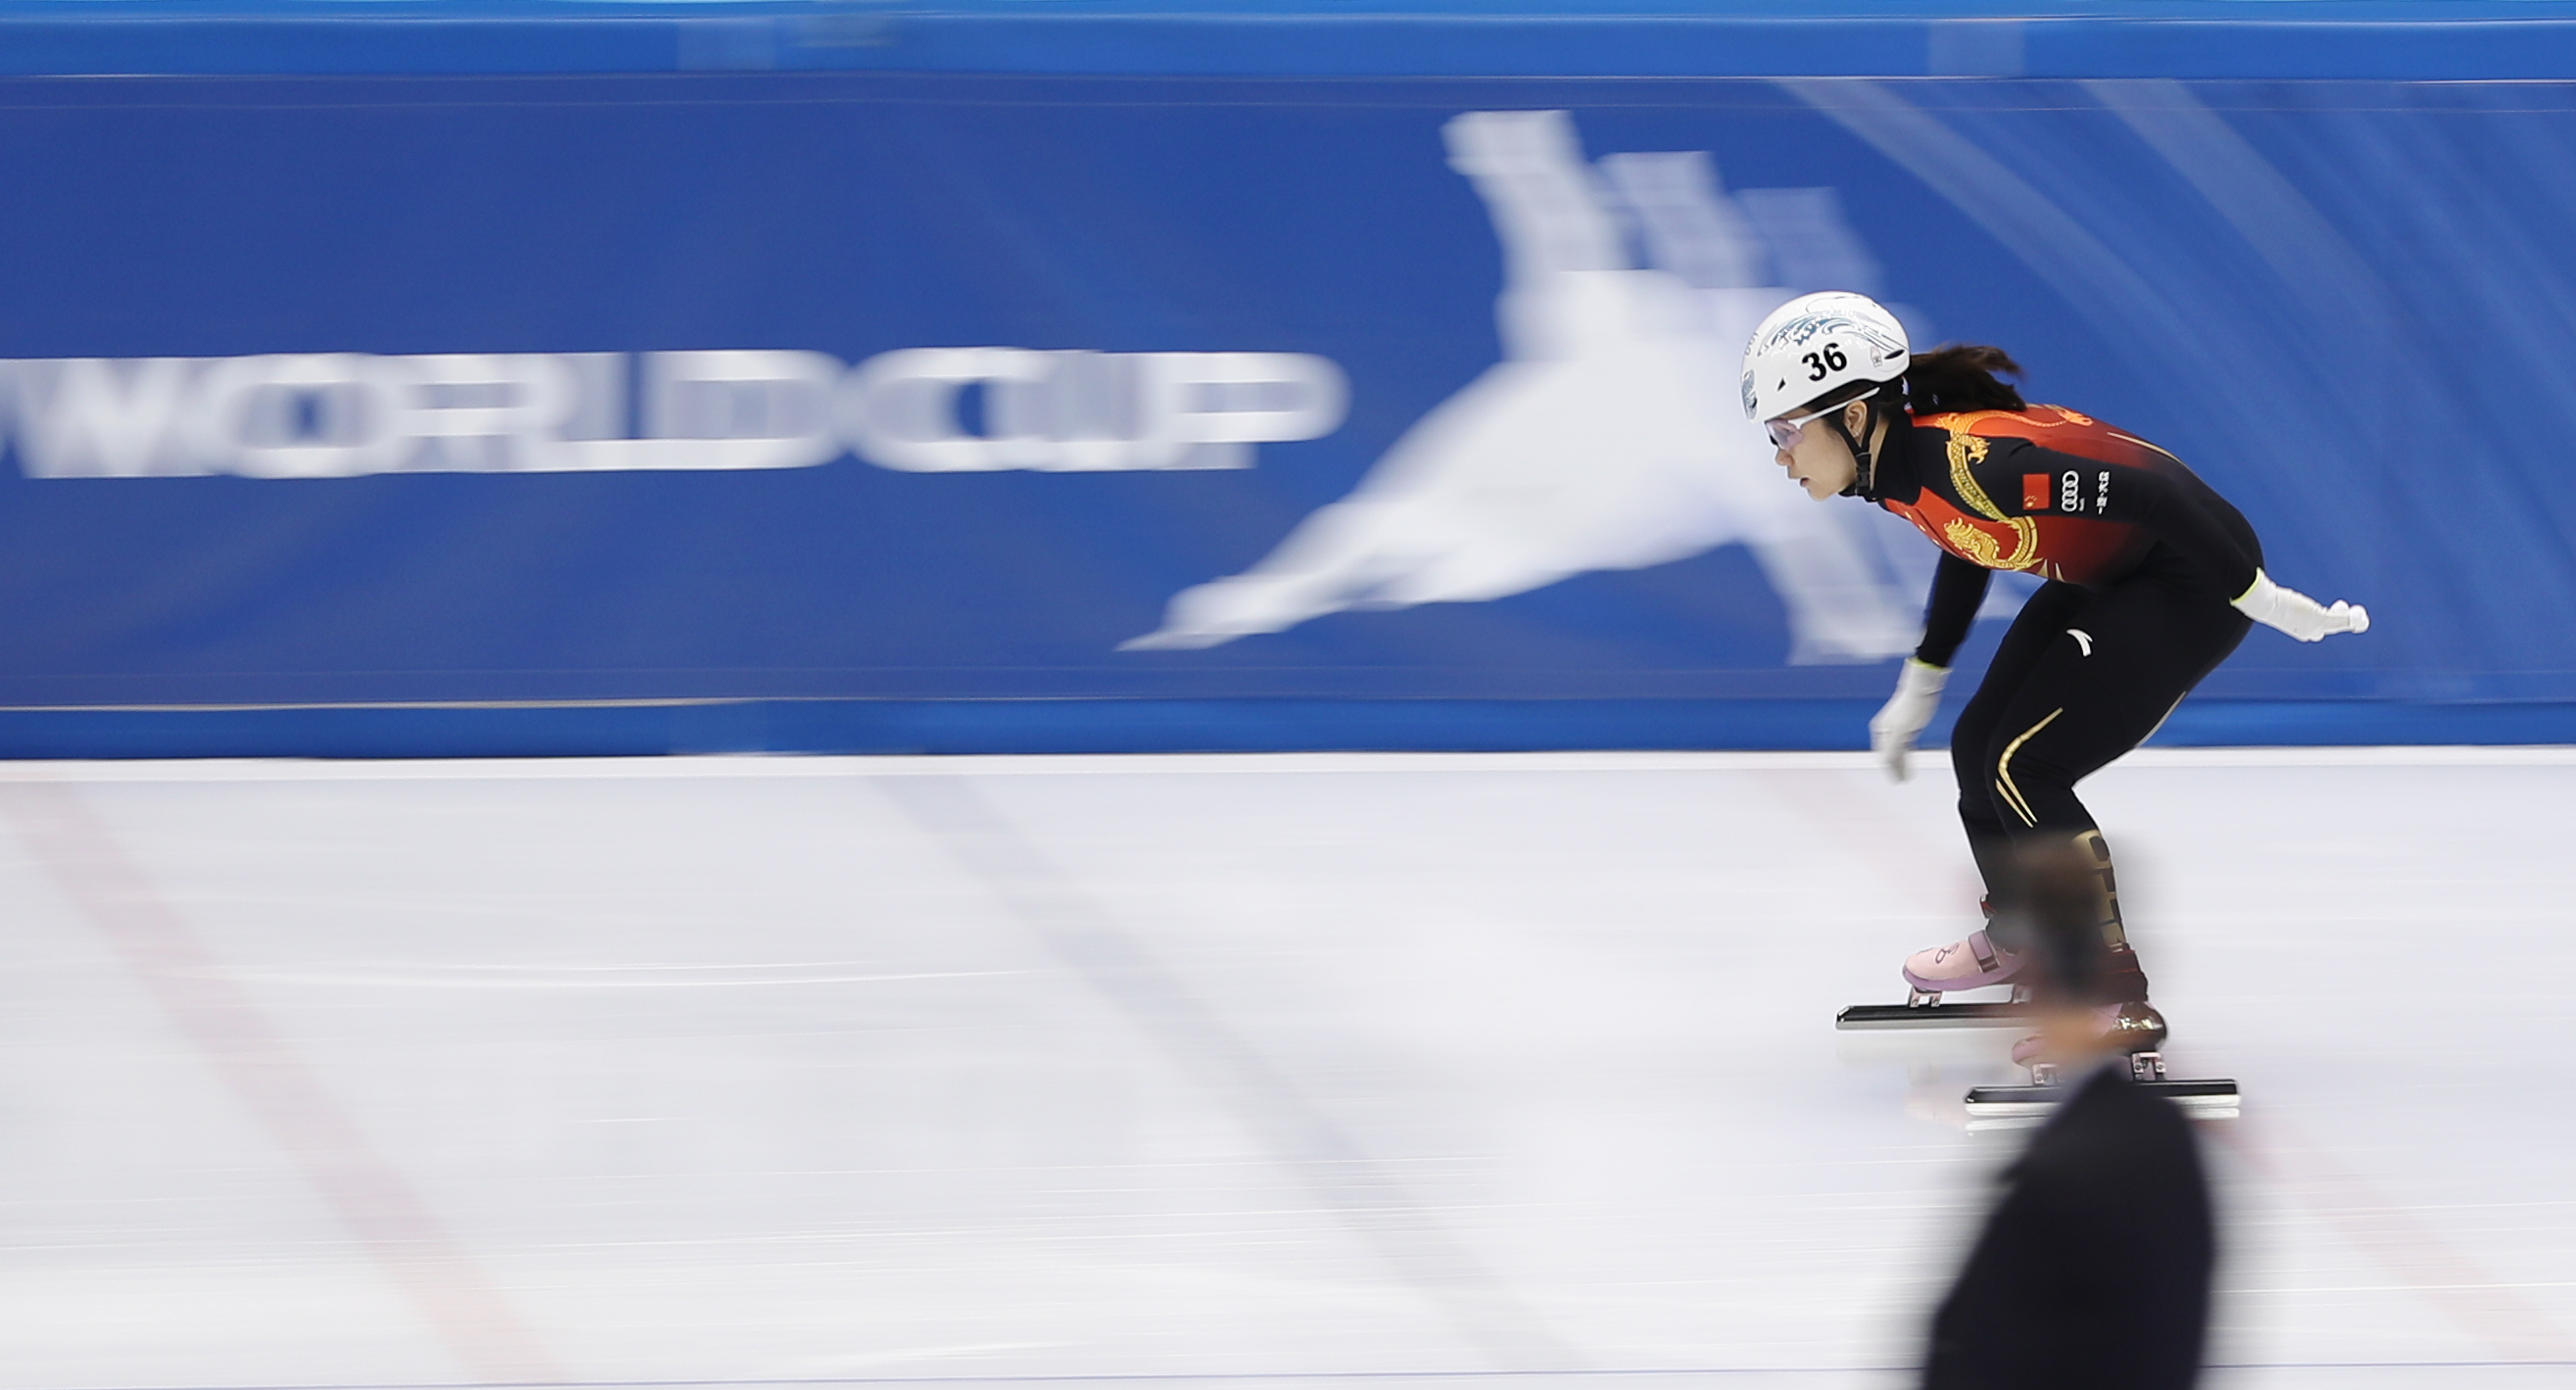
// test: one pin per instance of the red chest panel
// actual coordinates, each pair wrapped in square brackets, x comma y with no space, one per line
[2042,526]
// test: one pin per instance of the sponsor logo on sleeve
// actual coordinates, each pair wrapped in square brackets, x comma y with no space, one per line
[2066,493]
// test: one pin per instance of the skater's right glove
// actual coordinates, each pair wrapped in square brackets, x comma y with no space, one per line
[2297,614]
[1893,729]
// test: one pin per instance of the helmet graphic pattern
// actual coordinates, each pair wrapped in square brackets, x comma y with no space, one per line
[1816,344]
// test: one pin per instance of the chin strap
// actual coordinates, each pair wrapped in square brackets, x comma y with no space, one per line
[1864,484]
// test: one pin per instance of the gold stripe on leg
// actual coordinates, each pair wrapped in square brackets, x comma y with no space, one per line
[2003,770]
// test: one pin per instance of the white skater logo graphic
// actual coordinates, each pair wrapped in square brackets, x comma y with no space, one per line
[1609,436]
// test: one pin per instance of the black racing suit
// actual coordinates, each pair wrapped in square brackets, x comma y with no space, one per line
[2140,559]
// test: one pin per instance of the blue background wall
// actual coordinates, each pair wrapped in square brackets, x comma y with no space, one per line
[2346,295]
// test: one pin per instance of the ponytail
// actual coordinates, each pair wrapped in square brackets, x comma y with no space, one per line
[1961,377]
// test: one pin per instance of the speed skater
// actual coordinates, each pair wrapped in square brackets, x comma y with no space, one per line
[2149,580]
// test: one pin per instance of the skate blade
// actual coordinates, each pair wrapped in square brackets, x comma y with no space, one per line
[1855,1017]
[2021,1107]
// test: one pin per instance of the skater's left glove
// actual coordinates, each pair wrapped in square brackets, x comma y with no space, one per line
[2297,614]
[1893,729]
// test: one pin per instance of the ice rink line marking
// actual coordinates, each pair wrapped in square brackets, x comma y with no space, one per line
[603,977]
[1931,763]
[1322,1154]
[2403,1244]
[1295,1377]
[1178,1378]
[207,1005]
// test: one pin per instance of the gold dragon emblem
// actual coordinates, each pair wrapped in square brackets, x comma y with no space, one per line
[1966,539]
[1966,452]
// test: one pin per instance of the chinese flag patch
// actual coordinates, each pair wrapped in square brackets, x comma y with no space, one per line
[2034,492]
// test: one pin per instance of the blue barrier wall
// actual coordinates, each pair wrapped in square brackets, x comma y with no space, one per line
[545,397]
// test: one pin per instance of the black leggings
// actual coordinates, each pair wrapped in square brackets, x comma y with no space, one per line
[2081,678]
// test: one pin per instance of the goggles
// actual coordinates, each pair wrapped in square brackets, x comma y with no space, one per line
[1785,430]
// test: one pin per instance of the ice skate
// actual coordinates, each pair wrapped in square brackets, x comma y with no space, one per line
[1962,965]
[1974,963]
[2130,1028]
[2131,1031]
[2011,1107]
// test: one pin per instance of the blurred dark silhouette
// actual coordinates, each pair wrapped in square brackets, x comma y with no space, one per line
[2093,1268]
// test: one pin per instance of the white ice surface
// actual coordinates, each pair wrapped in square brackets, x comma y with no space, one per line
[1229,1071]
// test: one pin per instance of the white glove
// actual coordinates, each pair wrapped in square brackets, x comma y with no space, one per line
[1892,729]
[2297,614]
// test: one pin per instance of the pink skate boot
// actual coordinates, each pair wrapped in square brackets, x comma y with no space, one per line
[1970,964]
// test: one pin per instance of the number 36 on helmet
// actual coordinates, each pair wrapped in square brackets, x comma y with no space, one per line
[1815,345]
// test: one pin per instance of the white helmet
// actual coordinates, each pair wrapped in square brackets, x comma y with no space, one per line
[1815,343]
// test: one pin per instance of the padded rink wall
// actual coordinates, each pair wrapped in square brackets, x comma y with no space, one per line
[510,378]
